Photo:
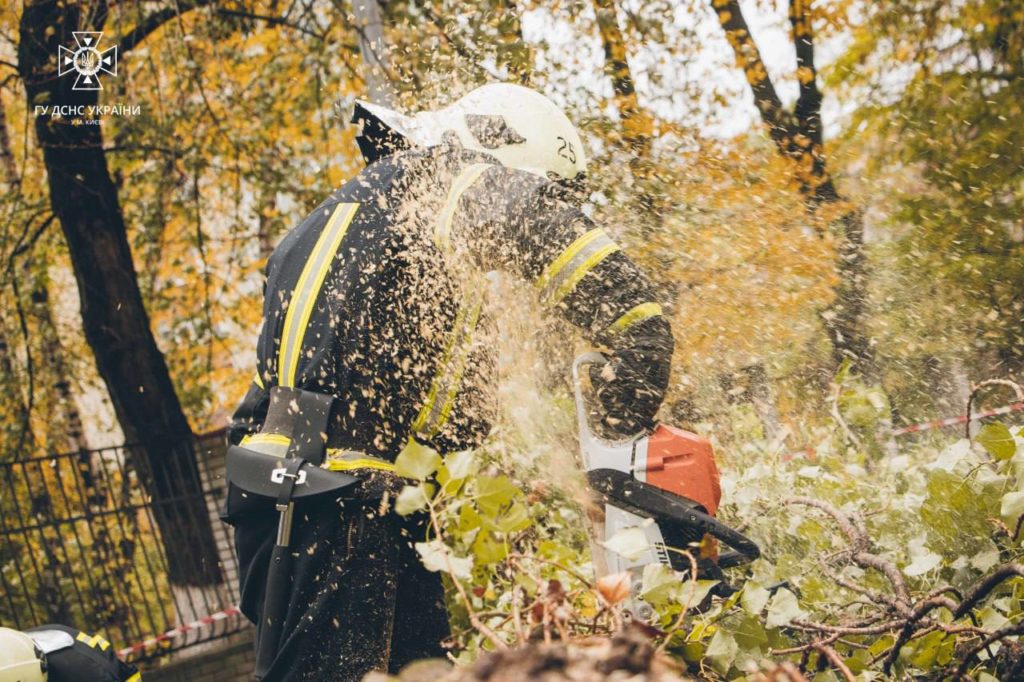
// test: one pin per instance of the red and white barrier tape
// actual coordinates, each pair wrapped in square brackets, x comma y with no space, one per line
[808,453]
[173,633]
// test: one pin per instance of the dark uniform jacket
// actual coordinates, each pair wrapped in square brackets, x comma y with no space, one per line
[377,298]
[75,656]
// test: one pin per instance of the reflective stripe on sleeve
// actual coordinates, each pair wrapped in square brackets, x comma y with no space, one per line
[137,677]
[258,380]
[465,180]
[562,275]
[638,313]
[445,384]
[304,296]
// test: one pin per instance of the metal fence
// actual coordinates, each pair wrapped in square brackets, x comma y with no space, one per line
[80,545]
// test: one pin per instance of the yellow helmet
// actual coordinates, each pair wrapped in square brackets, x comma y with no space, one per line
[20,660]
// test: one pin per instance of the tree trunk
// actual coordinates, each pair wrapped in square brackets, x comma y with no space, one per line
[370,25]
[798,135]
[513,52]
[636,122]
[114,319]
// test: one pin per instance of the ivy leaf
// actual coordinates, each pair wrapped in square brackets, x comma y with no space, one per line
[658,583]
[630,543]
[417,461]
[722,651]
[782,609]
[754,598]
[437,556]
[413,498]
[997,440]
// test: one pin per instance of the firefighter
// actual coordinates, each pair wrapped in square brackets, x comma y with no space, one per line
[376,300]
[57,653]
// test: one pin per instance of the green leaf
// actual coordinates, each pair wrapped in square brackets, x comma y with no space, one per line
[997,440]
[514,519]
[782,609]
[413,498]
[722,651]
[1011,507]
[658,584]
[437,556]
[488,551]
[754,598]
[629,543]
[417,461]
[460,464]
[750,634]
[494,492]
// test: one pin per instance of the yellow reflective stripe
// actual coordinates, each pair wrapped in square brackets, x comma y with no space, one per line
[556,266]
[419,424]
[448,377]
[307,289]
[337,458]
[266,439]
[564,273]
[581,271]
[93,641]
[460,369]
[465,180]
[361,463]
[258,380]
[137,677]
[638,313]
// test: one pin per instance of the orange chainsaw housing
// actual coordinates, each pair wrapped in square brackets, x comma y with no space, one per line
[683,463]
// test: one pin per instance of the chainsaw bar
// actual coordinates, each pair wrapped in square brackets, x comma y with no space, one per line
[682,521]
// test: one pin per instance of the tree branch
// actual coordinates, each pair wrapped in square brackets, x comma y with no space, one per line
[154,21]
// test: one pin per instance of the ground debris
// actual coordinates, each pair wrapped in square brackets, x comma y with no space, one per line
[627,655]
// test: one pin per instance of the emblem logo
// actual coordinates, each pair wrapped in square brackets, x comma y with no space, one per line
[87,60]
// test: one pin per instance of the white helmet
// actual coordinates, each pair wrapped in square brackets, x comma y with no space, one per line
[520,127]
[20,660]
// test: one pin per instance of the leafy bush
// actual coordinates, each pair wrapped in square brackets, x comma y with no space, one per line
[902,565]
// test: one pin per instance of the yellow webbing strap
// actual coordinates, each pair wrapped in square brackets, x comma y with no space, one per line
[638,313]
[304,296]
[337,459]
[445,385]
[562,274]
[465,180]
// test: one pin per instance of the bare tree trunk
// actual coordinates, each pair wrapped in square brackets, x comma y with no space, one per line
[84,200]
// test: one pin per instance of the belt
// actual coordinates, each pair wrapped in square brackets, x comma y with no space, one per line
[337,459]
[284,419]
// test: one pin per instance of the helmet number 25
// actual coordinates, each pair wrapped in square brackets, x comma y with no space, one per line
[566,151]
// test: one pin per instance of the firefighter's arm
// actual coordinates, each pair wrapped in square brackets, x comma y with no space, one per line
[249,416]
[514,222]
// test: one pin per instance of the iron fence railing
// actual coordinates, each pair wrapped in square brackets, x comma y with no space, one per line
[80,544]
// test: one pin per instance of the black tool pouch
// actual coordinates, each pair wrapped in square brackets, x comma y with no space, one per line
[257,480]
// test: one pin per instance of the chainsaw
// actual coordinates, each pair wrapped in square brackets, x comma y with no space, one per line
[664,482]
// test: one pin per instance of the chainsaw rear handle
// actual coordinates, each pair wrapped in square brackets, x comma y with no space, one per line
[671,511]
